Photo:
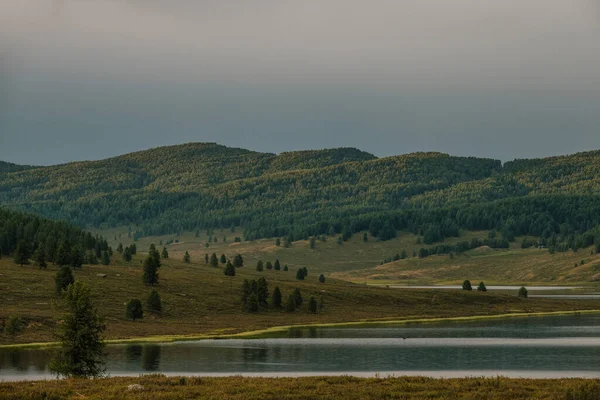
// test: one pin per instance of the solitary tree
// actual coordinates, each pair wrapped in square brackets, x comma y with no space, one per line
[276,297]
[229,269]
[81,353]
[285,268]
[165,253]
[64,277]
[22,253]
[39,257]
[481,287]
[259,266]
[522,292]
[467,285]
[186,257]
[150,276]
[154,301]
[214,261]
[322,278]
[312,305]
[277,265]
[134,309]
[297,297]
[238,261]
[290,304]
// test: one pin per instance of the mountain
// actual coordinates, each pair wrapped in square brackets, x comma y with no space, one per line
[304,193]
[10,167]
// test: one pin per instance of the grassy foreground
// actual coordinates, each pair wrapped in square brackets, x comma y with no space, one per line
[161,387]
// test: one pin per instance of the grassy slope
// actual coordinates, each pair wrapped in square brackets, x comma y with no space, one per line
[199,299]
[160,387]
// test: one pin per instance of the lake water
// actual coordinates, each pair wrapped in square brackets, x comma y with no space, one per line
[558,346]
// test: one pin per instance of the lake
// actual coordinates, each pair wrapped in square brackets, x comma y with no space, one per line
[556,346]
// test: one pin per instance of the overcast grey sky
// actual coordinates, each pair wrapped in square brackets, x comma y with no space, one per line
[88,79]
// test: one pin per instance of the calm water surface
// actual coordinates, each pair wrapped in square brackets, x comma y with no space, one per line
[532,347]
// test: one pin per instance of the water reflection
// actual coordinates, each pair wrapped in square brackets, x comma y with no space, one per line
[151,357]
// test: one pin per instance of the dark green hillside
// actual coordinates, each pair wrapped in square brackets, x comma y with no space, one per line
[310,159]
[10,167]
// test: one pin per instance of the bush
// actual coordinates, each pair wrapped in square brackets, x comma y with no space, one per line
[322,278]
[134,309]
[13,325]
[522,292]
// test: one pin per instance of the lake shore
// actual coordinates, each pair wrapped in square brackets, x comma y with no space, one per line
[268,332]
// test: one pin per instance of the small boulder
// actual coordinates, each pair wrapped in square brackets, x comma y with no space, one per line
[135,388]
[101,275]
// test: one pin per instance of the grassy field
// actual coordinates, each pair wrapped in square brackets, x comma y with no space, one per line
[201,300]
[348,388]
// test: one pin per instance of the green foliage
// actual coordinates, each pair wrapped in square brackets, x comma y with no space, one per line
[277,265]
[259,266]
[223,259]
[105,258]
[81,353]
[322,278]
[214,261]
[276,297]
[262,291]
[290,303]
[285,268]
[522,292]
[187,259]
[252,304]
[22,253]
[134,309]
[481,287]
[238,261]
[154,301]
[77,257]
[268,265]
[229,269]
[297,297]
[150,276]
[39,256]
[64,278]
[467,285]
[300,274]
[165,254]
[13,325]
[312,305]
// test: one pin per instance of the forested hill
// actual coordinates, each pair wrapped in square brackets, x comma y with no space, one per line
[297,194]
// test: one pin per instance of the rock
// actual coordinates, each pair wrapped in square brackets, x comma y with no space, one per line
[136,387]
[101,275]
[118,275]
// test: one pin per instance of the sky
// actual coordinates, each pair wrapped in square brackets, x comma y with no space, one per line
[90,79]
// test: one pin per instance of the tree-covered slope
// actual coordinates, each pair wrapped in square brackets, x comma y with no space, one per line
[298,194]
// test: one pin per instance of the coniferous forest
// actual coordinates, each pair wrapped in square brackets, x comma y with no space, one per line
[306,193]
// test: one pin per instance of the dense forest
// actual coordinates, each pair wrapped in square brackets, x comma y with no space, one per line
[301,194]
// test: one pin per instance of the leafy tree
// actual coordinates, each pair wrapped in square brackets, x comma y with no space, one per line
[290,303]
[154,301]
[39,256]
[223,259]
[322,278]
[297,297]
[105,258]
[262,291]
[150,276]
[81,353]
[300,274]
[259,266]
[13,325]
[22,253]
[276,297]
[277,265]
[522,292]
[252,304]
[268,265]
[165,254]
[312,305]
[76,257]
[186,258]
[238,261]
[229,269]
[214,261]
[134,309]
[64,278]
[467,285]
[481,287]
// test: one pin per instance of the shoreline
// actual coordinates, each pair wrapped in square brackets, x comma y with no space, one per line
[257,334]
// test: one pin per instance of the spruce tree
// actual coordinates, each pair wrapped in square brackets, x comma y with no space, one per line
[262,291]
[22,253]
[214,261]
[268,265]
[252,305]
[290,303]
[76,257]
[322,278]
[223,259]
[276,297]
[127,254]
[81,353]
[467,285]
[297,297]
[186,257]
[229,269]
[154,302]
[259,266]
[165,254]
[522,292]
[134,309]
[300,274]
[277,265]
[39,257]
[150,276]
[481,287]
[206,259]
[64,277]
[238,261]
[105,258]
[285,268]
[312,305]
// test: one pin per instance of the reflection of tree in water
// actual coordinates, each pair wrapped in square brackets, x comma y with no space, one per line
[151,357]
[255,354]
[133,352]
[40,359]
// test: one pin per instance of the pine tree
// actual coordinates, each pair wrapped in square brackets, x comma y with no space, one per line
[39,257]
[22,253]
[481,287]
[277,265]
[312,305]
[278,242]
[229,269]
[223,259]
[64,277]
[522,292]
[127,254]
[165,254]
[285,268]
[262,291]
[268,265]
[214,261]
[297,297]
[120,248]
[276,297]
[322,278]
[467,285]
[290,304]
[81,354]
[134,309]
[300,274]
[206,259]
[154,302]
[76,257]
[238,261]
[252,305]
[246,291]
[105,258]
[365,237]
[150,276]
[186,257]
[259,266]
